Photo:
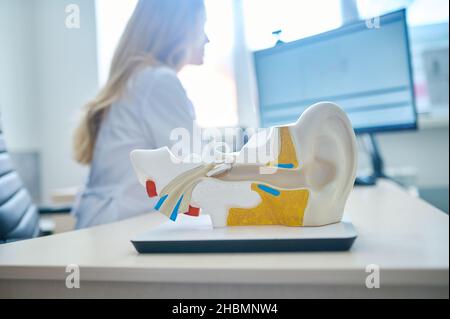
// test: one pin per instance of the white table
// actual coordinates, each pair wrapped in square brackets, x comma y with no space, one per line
[403,235]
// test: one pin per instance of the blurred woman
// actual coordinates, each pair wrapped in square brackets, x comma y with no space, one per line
[142,101]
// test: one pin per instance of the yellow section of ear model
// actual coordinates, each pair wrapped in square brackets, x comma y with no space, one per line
[287,157]
[278,207]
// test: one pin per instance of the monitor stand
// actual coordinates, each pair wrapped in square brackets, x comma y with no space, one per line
[371,146]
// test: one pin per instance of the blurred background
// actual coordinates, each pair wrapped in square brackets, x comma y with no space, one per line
[48,70]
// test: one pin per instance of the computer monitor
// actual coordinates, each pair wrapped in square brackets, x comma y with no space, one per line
[364,67]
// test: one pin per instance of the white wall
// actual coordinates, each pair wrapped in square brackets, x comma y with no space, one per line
[17,73]
[425,150]
[53,71]
[67,78]
[419,156]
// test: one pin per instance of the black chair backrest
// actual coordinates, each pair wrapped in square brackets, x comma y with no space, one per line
[18,215]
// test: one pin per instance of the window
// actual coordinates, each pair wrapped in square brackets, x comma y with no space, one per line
[295,18]
[420,12]
[112,17]
[212,87]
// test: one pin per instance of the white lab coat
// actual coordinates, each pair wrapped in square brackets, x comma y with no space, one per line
[154,104]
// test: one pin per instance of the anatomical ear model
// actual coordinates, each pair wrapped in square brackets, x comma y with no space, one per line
[304,181]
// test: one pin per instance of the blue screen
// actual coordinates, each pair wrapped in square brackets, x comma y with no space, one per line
[365,70]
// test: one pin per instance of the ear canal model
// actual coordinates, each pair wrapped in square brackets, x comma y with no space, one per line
[300,174]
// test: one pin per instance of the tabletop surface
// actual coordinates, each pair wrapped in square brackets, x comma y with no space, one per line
[404,237]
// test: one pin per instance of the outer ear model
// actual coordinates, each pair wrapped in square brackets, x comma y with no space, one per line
[328,152]
[305,181]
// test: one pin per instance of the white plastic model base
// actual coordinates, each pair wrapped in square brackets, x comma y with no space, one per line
[196,235]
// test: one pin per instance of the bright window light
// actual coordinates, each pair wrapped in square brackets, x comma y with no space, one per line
[420,12]
[296,18]
[212,87]
[112,17]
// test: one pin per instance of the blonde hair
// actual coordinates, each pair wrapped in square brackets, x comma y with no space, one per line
[160,32]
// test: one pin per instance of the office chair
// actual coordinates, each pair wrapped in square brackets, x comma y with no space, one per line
[19,218]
